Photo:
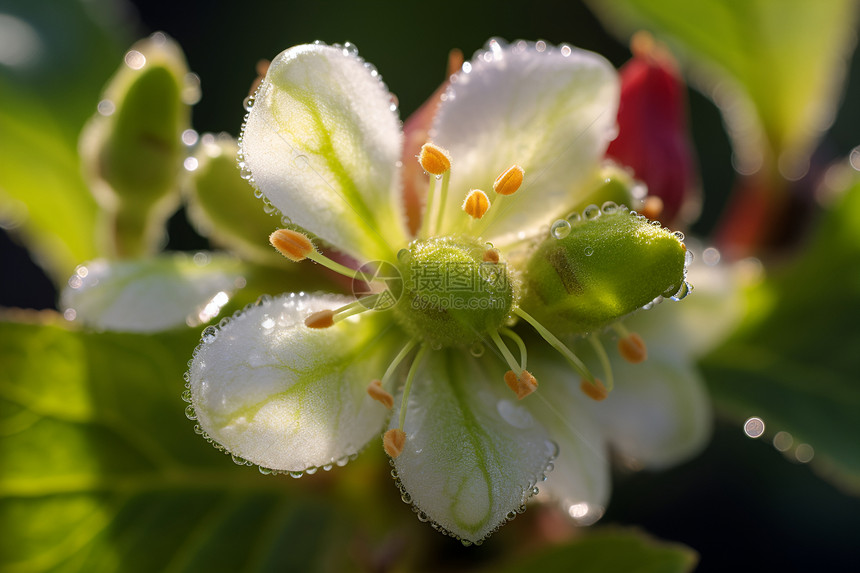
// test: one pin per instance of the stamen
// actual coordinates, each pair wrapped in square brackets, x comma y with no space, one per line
[375,390]
[413,369]
[292,244]
[594,389]
[506,354]
[476,203]
[393,442]
[320,319]
[632,348]
[604,361]
[389,372]
[443,197]
[553,341]
[491,256]
[522,385]
[508,182]
[519,342]
[298,247]
[653,207]
[434,159]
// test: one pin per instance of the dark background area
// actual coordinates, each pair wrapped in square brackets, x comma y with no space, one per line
[741,504]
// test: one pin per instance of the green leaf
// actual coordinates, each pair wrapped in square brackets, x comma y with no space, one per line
[100,470]
[44,101]
[610,550]
[794,362]
[787,57]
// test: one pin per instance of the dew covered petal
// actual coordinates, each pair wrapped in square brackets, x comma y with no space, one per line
[322,143]
[552,112]
[287,397]
[580,481]
[150,295]
[472,452]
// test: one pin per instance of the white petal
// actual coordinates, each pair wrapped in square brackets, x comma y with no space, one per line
[658,415]
[472,453]
[580,482]
[287,397]
[553,112]
[322,144]
[149,295]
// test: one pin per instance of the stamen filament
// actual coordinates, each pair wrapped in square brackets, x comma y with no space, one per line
[428,209]
[553,341]
[340,269]
[443,198]
[413,369]
[604,360]
[389,372]
[520,344]
[509,358]
[621,329]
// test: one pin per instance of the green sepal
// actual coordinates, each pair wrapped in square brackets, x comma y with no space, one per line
[609,264]
[132,148]
[222,205]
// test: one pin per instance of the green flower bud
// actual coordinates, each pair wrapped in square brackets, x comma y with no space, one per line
[455,290]
[222,205]
[614,184]
[132,148]
[599,267]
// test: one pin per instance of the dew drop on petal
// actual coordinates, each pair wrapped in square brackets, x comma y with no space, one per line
[754,427]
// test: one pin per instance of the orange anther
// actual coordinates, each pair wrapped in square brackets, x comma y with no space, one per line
[374,389]
[491,256]
[632,348]
[522,385]
[393,442]
[476,203]
[508,182]
[594,390]
[292,244]
[653,207]
[434,159]
[320,319]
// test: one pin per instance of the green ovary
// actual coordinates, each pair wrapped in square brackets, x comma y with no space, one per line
[451,295]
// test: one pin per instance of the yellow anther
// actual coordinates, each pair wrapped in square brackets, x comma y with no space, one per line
[491,256]
[374,389]
[508,182]
[393,441]
[594,390]
[522,385]
[434,159]
[632,348]
[320,319]
[476,203]
[292,244]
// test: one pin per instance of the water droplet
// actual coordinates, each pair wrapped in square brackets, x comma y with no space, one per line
[198,429]
[591,212]
[688,258]
[106,107]
[477,349]
[135,60]
[609,208]
[423,517]
[301,162]
[268,208]
[657,224]
[403,255]
[190,413]
[552,449]
[683,291]
[244,172]
[186,396]
[406,498]
[248,103]
[75,281]
[265,471]
[574,218]
[560,229]
[237,460]
[286,221]
[679,235]
[754,427]
[540,46]
[511,515]
[565,50]
[588,251]
[710,256]
[296,475]
[210,334]
[350,49]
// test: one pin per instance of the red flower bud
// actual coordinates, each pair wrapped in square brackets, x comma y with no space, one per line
[653,139]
